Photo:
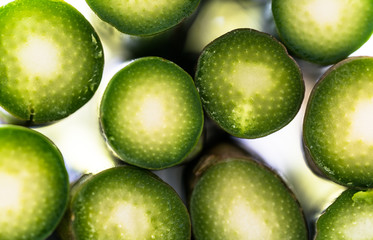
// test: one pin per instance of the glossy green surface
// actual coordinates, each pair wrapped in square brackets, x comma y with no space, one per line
[151,113]
[323,31]
[144,17]
[240,199]
[350,217]
[33,184]
[51,60]
[128,203]
[337,127]
[248,83]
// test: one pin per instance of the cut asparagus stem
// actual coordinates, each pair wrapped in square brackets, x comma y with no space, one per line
[51,60]
[349,217]
[143,17]
[248,83]
[323,31]
[337,131]
[33,184]
[235,197]
[151,114]
[125,203]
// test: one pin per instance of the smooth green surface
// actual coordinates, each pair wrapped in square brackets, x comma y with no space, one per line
[323,31]
[151,113]
[51,60]
[240,199]
[33,184]
[338,129]
[350,217]
[143,17]
[128,203]
[248,84]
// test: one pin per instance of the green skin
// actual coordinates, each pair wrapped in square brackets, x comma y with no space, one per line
[248,83]
[51,60]
[329,138]
[348,218]
[323,34]
[97,198]
[143,18]
[151,114]
[36,184]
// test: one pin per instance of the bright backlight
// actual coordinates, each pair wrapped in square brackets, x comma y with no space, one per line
[39,57]
[10,189]
[362,122]
[325,11]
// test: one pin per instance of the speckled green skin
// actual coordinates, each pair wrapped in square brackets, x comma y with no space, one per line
[100,200]
[350,217]
[143,17]
[320,35]
[248,83]
[34,184]
[151,114]
[51,60]
[327,130]
[240,199]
